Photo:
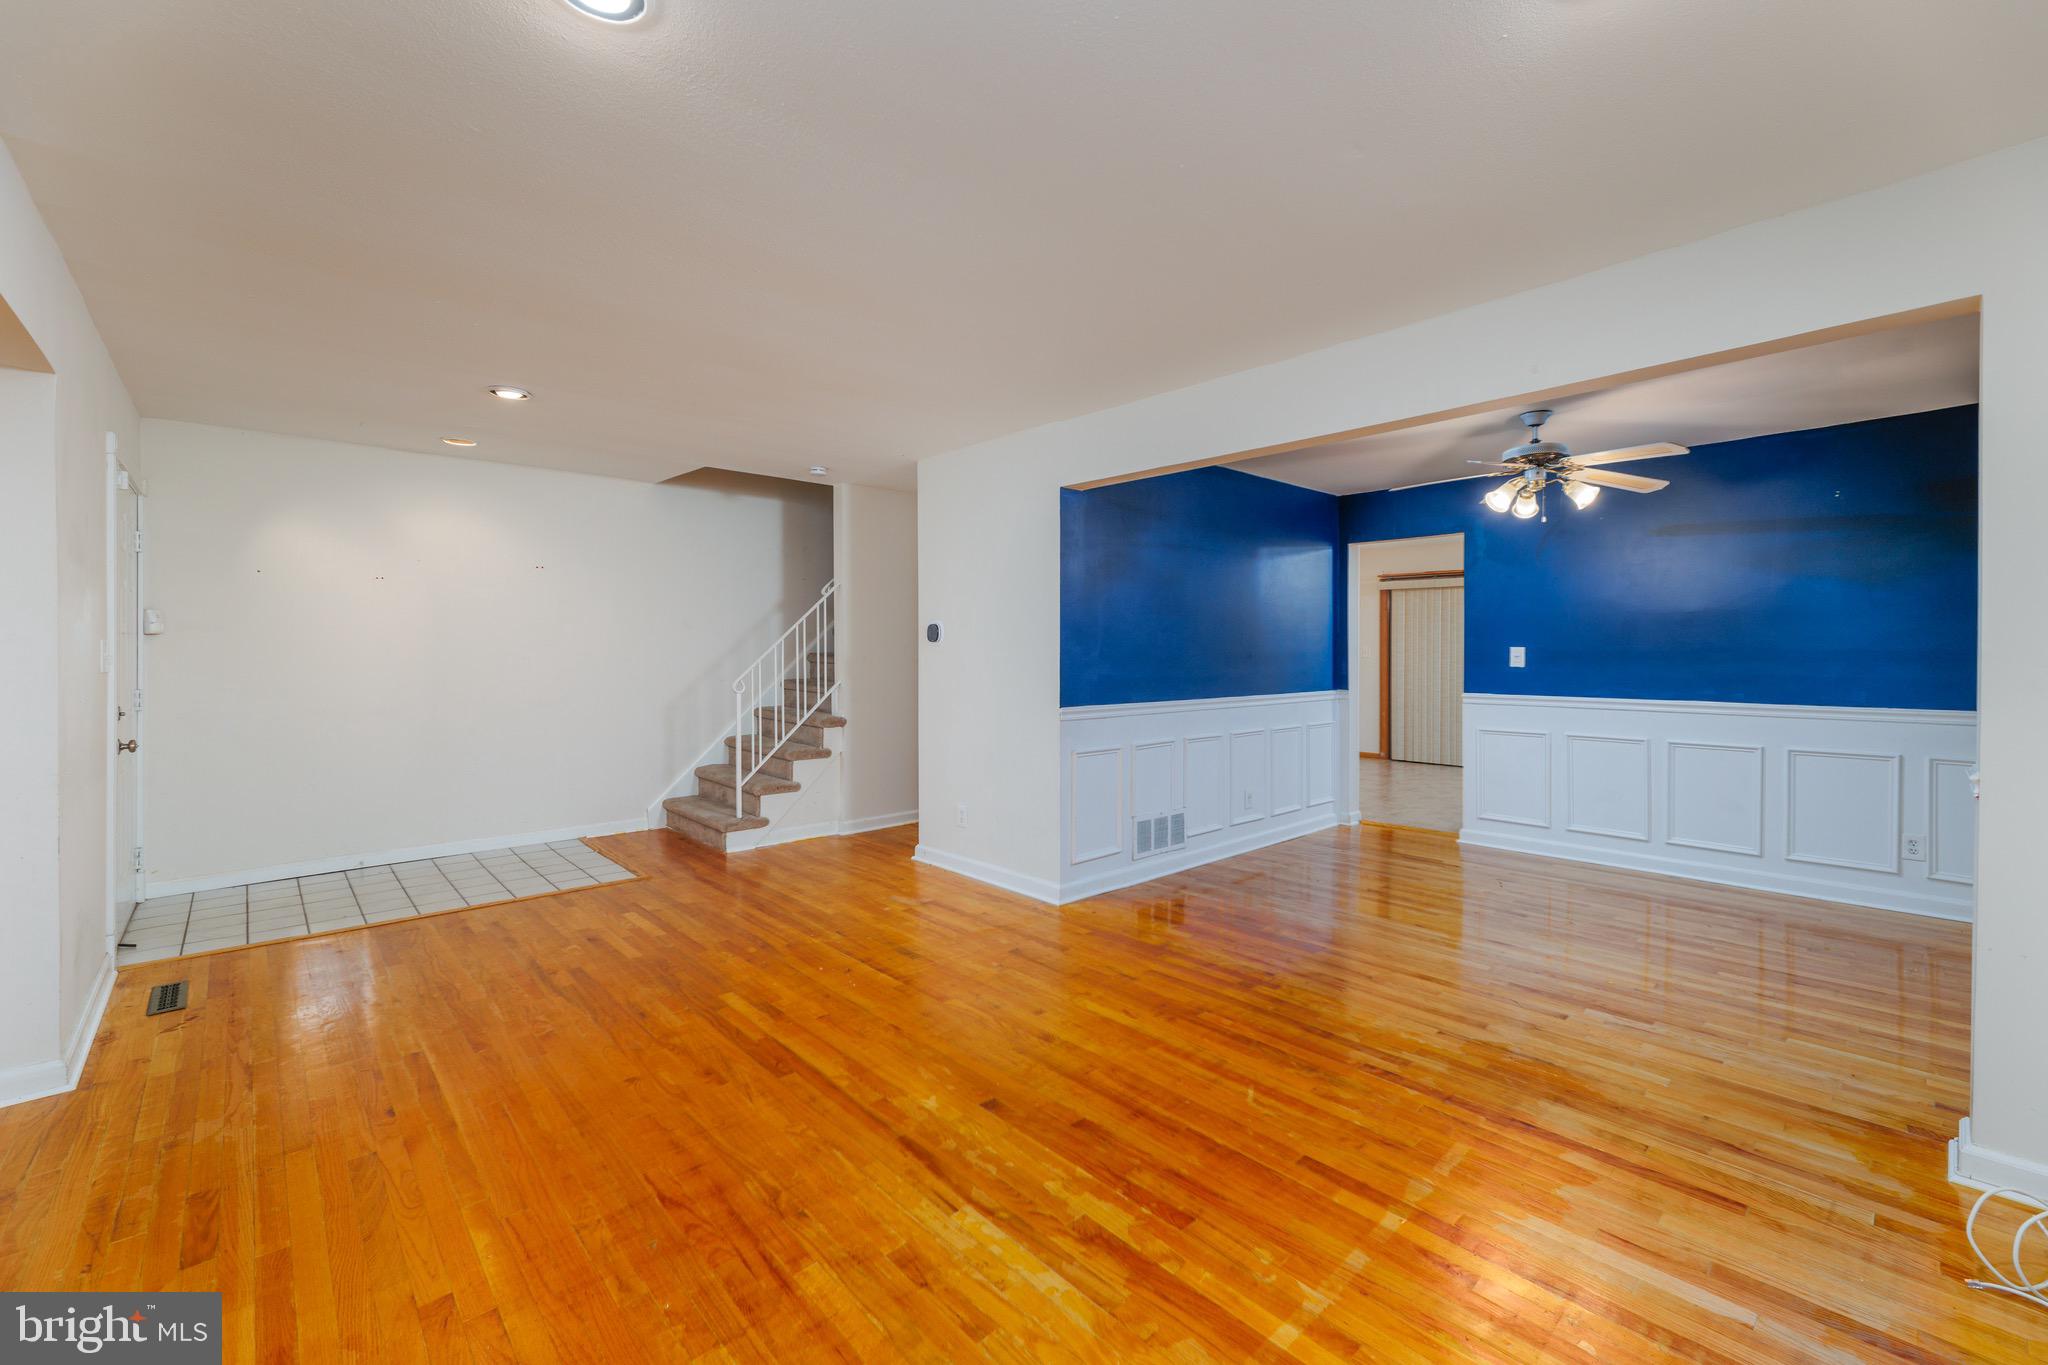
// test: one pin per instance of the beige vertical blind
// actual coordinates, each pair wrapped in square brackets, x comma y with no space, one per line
[1428,674]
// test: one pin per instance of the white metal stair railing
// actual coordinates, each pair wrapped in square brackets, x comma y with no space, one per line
[802,655]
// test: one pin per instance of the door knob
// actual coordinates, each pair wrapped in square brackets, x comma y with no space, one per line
[128,746]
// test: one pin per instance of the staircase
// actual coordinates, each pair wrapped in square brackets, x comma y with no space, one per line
[783,730]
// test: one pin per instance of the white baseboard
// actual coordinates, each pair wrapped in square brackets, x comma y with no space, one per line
[1037,888]
[1762,879]
[874,822]
[1166,864]
[54,1077]
[1980,1168]
[315,866]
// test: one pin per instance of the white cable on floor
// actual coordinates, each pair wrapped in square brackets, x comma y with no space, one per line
[2018,1285]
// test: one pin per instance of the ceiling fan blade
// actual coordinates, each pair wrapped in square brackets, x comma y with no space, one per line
[1649,452]
[1607,478]
[1431,483]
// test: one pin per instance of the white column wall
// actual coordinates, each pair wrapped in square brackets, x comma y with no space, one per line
[990,546]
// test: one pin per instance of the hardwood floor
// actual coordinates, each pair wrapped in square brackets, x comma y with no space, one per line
[1360,1096]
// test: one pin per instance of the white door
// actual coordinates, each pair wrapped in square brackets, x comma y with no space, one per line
[1427,673]
[127,877]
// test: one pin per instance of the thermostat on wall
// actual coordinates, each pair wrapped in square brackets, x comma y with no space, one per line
[934,632]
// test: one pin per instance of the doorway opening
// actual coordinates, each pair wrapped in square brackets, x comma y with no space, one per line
[1408,672]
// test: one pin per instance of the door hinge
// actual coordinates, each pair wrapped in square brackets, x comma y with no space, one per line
[138,700]
[138,542]
[138,858]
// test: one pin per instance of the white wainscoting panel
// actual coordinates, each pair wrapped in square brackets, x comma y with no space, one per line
[1952,831]
[1607,785]
[1842,809]
[1249,771]
[1250,779]
[1811,800]
[1715,796]
[1206,780]
[1290,769]
[1509,772]
[1096,804]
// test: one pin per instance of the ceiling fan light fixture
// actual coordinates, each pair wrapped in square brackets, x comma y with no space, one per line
[611,11]
[1581,494]
[1503,496]
[1525,506]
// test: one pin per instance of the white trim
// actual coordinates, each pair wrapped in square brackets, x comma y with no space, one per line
[1153,708]
[874,822]
[1887,898]
[1980,1168]
[1731,708]
[824,829]
[1191,857]
[1002,878]
[43,1079]
[313,867]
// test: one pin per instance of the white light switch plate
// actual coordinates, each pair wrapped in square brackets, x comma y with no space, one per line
[1518,656]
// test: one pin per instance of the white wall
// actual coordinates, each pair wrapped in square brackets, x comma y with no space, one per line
[1370,559]
[989,539]
[54,702]
[369,651]
[874,552]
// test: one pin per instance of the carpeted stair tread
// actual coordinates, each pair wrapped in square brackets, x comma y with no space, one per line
[712,815]
[760,784]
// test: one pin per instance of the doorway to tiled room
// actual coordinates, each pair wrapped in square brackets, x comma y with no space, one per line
[1407,670]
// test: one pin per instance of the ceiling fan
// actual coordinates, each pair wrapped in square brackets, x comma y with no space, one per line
[1536,464]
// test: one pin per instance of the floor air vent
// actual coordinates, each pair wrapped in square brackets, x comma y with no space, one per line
[1158,833]
[163,999]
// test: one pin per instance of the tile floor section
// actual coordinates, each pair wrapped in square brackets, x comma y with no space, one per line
[171,926]
[1418,795]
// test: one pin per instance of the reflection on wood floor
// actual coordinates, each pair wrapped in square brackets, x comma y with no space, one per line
[1364,1095]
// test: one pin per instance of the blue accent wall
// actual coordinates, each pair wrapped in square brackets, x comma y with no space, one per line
[1210,583]
[1834,567]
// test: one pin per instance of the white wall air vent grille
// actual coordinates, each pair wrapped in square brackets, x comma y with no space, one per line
[1158,833]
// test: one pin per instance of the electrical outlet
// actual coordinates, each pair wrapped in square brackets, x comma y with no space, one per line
[1518,656]
[962,815]
[1916,849]
[1247,800]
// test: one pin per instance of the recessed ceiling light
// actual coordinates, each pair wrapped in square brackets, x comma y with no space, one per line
[457,441]
[511,392]
[819,470]
[612,11]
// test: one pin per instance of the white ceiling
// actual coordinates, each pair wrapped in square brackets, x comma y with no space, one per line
[765,234]
[1883,374]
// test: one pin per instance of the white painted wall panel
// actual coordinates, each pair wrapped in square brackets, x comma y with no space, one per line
[1810,800]
[1607,785]
[1715,796]
[1511,776]
[1095,804]
[1250,778]
[1290,769]
[1249,771]
[1952,832]
[1842,809]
